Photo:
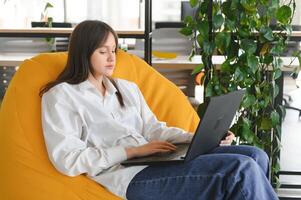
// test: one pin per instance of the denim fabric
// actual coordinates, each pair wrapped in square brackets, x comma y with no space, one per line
[229,172]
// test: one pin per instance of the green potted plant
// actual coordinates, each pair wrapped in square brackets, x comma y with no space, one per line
[47,21]
[251,34]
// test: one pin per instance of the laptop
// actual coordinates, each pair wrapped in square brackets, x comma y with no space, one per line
[213,127]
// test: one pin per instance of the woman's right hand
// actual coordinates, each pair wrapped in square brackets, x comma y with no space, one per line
[149,149]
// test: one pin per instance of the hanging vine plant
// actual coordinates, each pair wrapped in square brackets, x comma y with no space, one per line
[251,34]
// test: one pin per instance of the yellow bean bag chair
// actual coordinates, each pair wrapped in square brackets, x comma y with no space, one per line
[25,170]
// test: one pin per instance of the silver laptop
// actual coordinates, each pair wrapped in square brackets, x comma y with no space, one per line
[212,128]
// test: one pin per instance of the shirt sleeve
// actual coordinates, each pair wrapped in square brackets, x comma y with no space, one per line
[153,129]
[62,128]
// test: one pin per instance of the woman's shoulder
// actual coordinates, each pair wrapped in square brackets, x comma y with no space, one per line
[58,90]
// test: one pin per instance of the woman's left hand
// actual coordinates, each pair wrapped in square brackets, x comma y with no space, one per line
[228,139]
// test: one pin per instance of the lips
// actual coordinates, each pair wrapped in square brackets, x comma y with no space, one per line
[110,66]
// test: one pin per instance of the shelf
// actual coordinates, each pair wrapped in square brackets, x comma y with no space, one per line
[61,32]
[179,63]
[182,62]
[14,59]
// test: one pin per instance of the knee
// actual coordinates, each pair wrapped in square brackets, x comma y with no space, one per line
[246,164]
[258,154]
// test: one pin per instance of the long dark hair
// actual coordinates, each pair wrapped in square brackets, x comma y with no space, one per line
[84,40]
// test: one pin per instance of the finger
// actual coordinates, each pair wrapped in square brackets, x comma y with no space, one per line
[230,140]
[168,147]
[230,137]
[226,142]
[223,142]
[164,143]
[169,144]
[164,146]
[230,133]
[161,151]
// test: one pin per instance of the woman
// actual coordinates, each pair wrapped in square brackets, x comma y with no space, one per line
[92,122]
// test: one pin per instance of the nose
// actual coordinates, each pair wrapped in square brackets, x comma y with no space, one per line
[111,56]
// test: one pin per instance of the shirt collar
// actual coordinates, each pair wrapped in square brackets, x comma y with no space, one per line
[110,88]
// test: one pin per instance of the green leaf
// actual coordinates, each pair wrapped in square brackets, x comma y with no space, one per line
[284,14]
[229,11]
[49,22]
[265,2]
[288,29]
[226,66]
[208,47]
[267,33]
[48,5]
[217,89]
[193,3]
[222,41]
[277,73]
[233,50]
[248,100]
[244,32]
[249,81]
[265,124]
[249,5]
[204,7]
[209,90]
[258,91]
[278,48]
[253,63]
[238,75]
[187,31]
[275,118]
[274,3]
[246,132]
[203,28]
[278,63]
[218,21]
[197,69]
[229,25]
[188,20]
[268,59]
[200,39]
[249,46]
[192,53]
[276,91]
[278,130]
[277,167]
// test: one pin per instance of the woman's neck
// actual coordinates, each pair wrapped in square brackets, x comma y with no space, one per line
[98,83]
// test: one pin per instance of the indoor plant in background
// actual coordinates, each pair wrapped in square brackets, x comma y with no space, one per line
[47,21]
[242,31]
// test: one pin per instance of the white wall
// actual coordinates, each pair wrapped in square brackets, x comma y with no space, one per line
[118,13]
[121,14]
[20,13]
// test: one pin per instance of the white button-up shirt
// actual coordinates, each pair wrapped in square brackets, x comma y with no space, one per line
[87,133]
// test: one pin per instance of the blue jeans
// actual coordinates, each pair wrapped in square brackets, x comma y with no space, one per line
[229,172]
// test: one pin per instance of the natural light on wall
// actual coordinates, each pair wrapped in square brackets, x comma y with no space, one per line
[121,14]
